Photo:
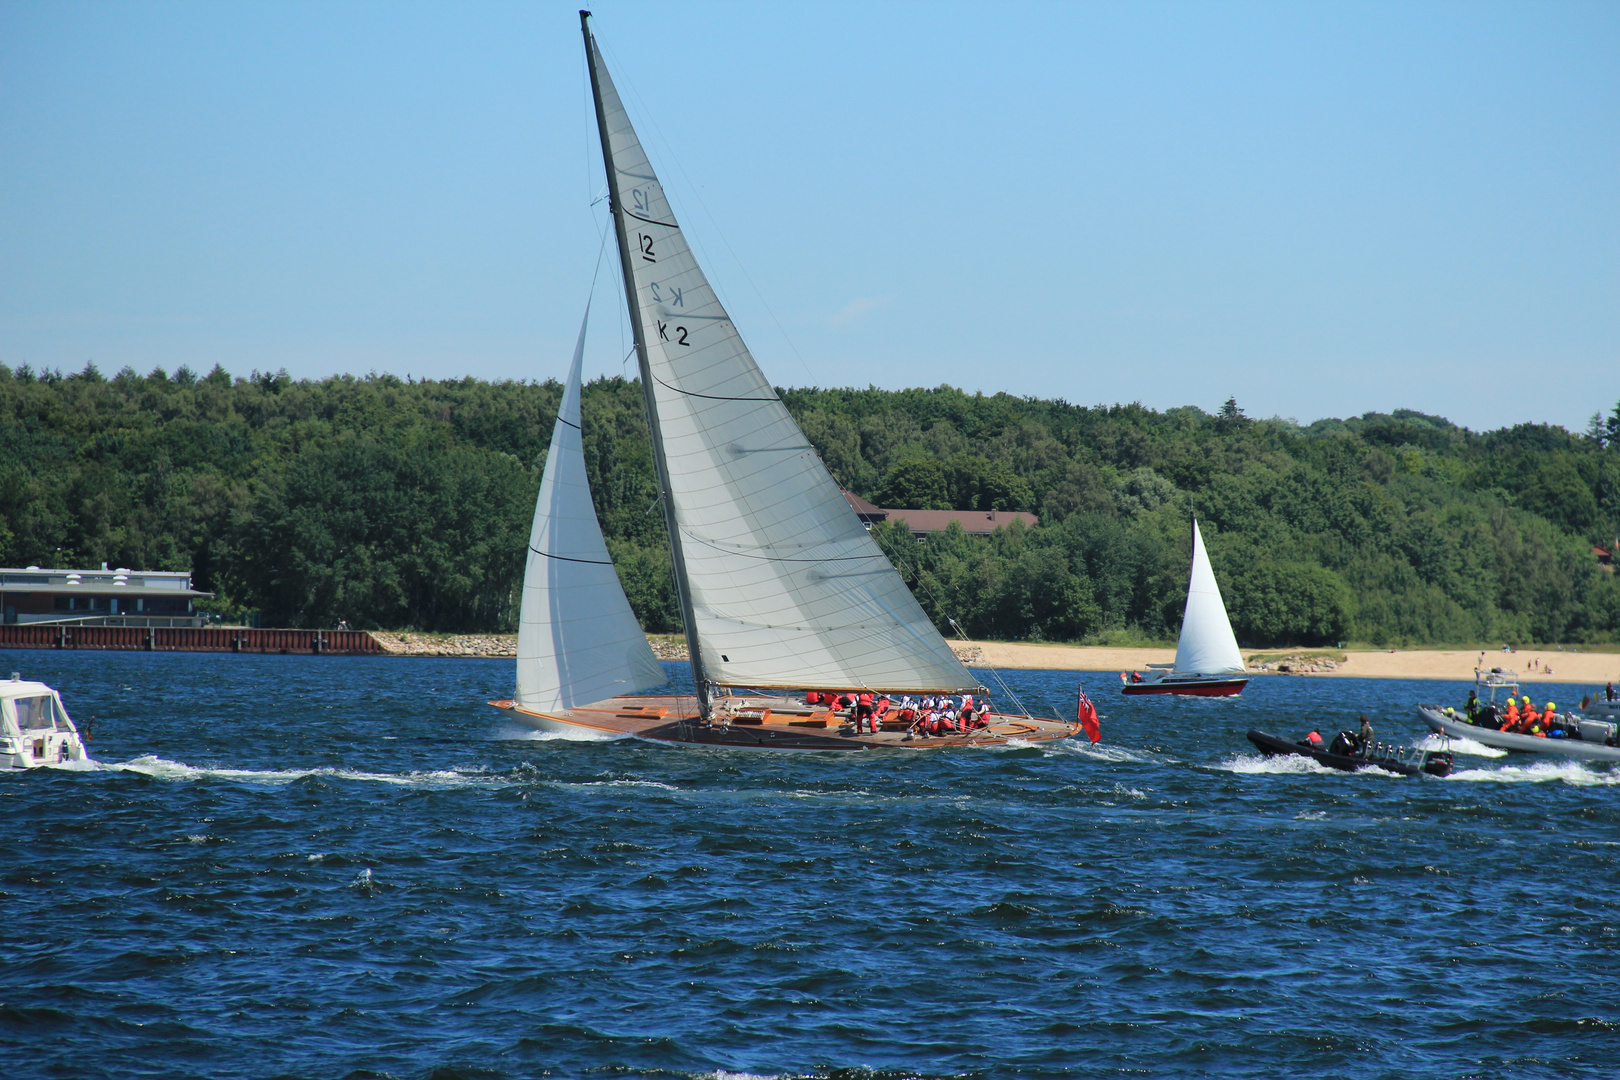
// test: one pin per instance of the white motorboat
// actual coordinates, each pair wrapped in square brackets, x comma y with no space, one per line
[1601,709]
[1593,739]
[35,729]
[1569,735]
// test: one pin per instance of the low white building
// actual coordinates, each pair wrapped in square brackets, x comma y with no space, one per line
[104,597]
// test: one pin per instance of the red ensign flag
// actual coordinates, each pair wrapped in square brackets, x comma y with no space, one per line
[1087,714]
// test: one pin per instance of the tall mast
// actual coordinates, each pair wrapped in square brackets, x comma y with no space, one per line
[682,589]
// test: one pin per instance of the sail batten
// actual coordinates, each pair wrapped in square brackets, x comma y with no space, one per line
[1207,645]
[578,640]
[781,585]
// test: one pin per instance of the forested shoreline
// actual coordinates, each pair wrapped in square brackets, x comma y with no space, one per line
[406,504]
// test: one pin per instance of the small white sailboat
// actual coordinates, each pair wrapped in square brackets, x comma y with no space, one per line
[35,729]
[1208,663]
[781,589]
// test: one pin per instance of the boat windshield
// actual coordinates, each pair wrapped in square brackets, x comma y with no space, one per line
[37,713]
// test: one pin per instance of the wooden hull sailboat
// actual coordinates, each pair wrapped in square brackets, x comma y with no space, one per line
[781,590]
[1208,663]
[768,723]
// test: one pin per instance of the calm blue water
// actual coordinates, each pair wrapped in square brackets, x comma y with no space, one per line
[344,867]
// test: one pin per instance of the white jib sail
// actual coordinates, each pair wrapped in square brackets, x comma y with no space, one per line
[787,589]
[578,641]
[1207,646]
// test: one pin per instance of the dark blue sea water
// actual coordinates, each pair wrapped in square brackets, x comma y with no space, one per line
[343,867]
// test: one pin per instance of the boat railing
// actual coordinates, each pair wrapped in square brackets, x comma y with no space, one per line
[1413,756]
[124,620]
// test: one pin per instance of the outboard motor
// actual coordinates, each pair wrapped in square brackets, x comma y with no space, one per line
[1438,763]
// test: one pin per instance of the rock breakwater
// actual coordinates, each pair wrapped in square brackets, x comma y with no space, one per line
[469,645]
[1297,664]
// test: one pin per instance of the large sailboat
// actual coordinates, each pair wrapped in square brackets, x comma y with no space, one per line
[781,590]
[1208,663]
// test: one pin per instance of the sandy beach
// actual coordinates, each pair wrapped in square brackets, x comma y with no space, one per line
[1458,664]
[1566,667]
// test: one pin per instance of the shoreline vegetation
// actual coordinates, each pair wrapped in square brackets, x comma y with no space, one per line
[1595,665]
[384,502]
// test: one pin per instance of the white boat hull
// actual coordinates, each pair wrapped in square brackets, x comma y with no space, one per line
[1603,710]
[1507,740]
[38,750]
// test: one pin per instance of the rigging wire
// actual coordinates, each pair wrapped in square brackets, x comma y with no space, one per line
[939,602]
[1022,708]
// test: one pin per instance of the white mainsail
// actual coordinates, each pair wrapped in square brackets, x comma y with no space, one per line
[784,588]
[1207,646]
[578,640]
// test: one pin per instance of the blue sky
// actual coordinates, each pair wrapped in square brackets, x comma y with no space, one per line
[1321,208]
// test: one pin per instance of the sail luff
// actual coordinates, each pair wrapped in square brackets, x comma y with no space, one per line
[638,332]
[578,640]
[1207,645]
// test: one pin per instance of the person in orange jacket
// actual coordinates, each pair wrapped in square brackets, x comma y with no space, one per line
[1510,715]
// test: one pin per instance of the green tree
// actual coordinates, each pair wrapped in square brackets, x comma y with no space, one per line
[915,484]
[1288,604]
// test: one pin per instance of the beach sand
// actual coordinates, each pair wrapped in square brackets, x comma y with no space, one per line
[1567,667]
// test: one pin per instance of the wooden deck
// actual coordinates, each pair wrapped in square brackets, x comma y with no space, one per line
[767,723]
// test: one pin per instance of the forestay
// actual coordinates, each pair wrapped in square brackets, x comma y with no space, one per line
[1207,646]
[578,641]
[785,587]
